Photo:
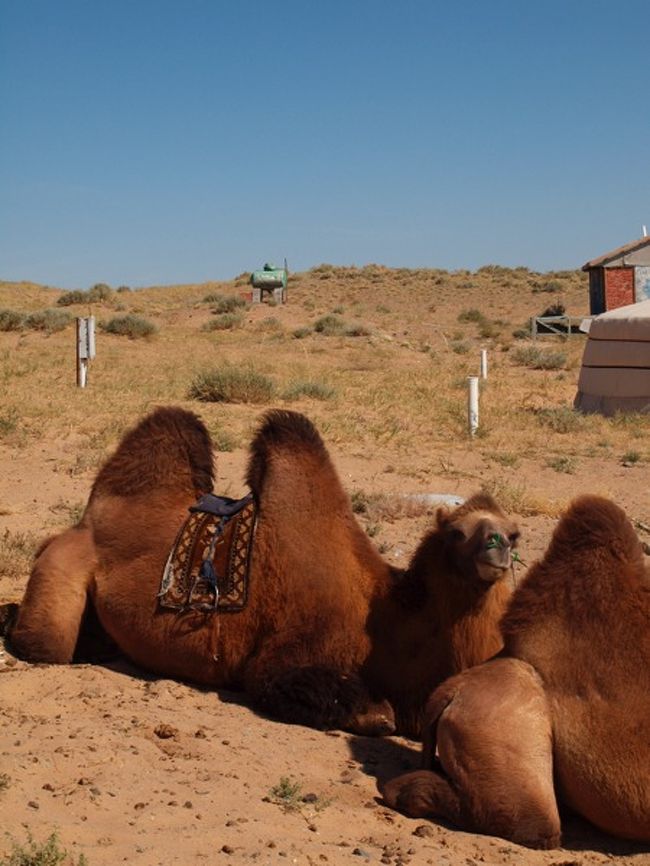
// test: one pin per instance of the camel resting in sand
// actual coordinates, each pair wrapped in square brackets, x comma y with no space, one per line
[330,636]
[564,715]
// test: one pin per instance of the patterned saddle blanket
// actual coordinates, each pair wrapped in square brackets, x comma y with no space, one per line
[208,566]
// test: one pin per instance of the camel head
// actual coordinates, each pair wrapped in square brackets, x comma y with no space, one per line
[479,538]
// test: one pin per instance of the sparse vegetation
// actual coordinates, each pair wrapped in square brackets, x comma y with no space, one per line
[131,326]
[10,320]
[290,797]
[100,292]
[231,384]
[562,463]
[48,853]
[314,390]
[8,422]
[330,326]
[561,419]
[5,780]
[67,299]
[49,320]
[224,322]
[16,552]
[225,303]
[537,358]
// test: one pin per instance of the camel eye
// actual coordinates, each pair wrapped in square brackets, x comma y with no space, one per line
[513,538]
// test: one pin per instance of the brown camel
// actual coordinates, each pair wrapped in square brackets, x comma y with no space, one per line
[331,635]
[564,714]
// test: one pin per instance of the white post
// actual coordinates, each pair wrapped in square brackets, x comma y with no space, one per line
[82,355]
[483,363]
[472,404]
[85,348]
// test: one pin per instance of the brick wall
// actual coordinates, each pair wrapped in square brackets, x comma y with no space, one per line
[619,287]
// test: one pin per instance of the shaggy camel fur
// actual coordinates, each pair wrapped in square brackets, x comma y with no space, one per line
[564,713]
[332,636]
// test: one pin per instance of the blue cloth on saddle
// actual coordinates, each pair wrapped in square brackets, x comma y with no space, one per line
[222,506]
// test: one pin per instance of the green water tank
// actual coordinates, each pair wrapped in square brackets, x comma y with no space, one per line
[269,277]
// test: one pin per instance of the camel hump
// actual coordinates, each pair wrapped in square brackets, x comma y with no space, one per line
[282,430]
[170,447]
[596,522]
[594,559]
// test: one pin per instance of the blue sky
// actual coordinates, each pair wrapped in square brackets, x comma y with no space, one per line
[162,141]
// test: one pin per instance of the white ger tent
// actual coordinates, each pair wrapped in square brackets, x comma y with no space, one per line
[615,373]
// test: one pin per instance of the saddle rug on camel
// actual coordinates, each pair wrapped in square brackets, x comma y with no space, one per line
[208,566]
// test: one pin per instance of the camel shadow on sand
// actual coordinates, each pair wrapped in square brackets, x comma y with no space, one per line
[383,758]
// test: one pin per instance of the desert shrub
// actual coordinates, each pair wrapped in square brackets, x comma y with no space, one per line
[488,330]
[472,315]
[538,359]
[225,303]
[551,286]
[131,326]
[459,347]
[48,853]
[314,390]
[49,320]
[562,463]
[270,325]
[100,292]
[8,422]
[16,552]
[230,384]
[10,320]
[631,457]
[329,325]
[561,419]
[74,297]
[301,333]
[121,289]
[224,322]
[357,330]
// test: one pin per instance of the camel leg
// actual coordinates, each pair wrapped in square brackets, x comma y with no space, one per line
[423,794]
[50,614]
[489,731]
[317,696]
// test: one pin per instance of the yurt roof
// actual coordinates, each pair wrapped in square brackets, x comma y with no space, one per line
[631,322]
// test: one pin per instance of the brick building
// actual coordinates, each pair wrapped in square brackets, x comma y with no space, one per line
[620,277]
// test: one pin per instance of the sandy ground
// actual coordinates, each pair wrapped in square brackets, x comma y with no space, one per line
[129,768]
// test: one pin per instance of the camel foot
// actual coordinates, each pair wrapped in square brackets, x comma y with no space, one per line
[378,720]
[324,698]
[8,614]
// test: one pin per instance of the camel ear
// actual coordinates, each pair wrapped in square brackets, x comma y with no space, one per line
[443,514]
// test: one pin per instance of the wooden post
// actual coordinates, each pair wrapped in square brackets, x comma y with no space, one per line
[472,404]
